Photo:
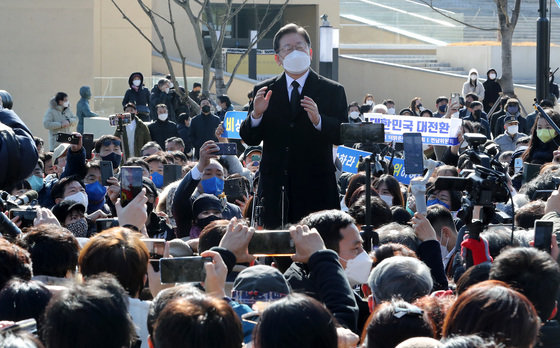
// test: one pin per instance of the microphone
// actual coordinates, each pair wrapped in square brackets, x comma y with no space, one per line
[27,197]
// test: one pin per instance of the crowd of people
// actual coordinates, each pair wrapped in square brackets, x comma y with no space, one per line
[82,266]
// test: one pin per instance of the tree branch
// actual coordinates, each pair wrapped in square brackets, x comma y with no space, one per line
[125,17]
[261,34]
[429,4]
[515,13]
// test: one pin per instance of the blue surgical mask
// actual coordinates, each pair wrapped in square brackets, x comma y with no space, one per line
[96,193]
[157,179]
[436,201]
[213,186]
[36,182]
[113,157]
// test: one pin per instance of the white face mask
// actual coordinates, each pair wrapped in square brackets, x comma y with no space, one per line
[162,117]
[167,90]
[296,62]
[136,83]
[473,77]
[218,108]
[492,76]
[80,197]
[421,108]
[369,102]
[513,129]
[391,111]
[358,269]
[444,251]
[66,104]
[354,115]
[171,85]
[387,199]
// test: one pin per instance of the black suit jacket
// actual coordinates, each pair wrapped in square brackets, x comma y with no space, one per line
[297,156]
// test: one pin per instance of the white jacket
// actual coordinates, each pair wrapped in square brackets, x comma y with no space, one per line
[478,90]
[53,119]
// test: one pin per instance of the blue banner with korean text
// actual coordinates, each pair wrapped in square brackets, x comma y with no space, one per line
[232,123]
[350,158]
[435,131]
[399,171]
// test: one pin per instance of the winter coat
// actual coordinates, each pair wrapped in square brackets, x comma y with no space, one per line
[159,97]
[203,128]
[478,90]
[53,119]
[140,95]
[492,90]
[160,131]
[82,108]
[141,137]
[18,153]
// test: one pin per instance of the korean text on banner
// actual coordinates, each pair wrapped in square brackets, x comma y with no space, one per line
[435,131]
[232,123]
[350,158]
[399,171]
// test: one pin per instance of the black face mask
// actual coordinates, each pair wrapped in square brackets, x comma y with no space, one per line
[477,113]
[206,221]
[149,208]
[206,109]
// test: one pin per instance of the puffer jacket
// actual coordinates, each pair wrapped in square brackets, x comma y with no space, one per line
[53,119]
[82,108]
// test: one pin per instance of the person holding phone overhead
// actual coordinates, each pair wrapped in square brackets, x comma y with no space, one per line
[297,116]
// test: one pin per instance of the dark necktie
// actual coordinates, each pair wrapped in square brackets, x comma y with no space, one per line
[294,98]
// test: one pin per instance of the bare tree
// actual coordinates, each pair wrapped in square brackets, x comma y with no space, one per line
[212,16]
[507,25]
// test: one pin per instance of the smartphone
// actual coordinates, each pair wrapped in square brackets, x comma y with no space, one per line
[125,118]
[26,216]
[106,171]
[105,224]
[413,153]
[183,269]
[171,173]
[226,149]
[517,165]
[530,171]
[67,138]
[131,183]
[543,235]
[235,190]
[156,247]
[455,98]
[87,142]
[365,132]
[272,243]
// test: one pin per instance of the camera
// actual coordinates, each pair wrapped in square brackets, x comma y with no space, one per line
[26,215]
[120,119]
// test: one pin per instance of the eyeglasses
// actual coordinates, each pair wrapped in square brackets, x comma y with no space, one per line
[111,141]
[287,49]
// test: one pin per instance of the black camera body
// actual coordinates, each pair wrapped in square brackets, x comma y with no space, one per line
[26,215]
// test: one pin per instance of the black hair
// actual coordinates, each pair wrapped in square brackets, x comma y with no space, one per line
[289,29]
[91,315]
[53,249]
[99,142]
[328,223]
[380,211]
[58,188]
[440,217]
[532,272]
[21,299]
[400,215]
[129,105]
[225,99]
[163,297]
[296,321]
[60,96]
[473,275]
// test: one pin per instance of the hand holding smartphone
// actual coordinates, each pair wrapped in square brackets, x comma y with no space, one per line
[183,269]
[131,183]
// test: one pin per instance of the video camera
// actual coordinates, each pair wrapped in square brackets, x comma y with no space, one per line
[17,206]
